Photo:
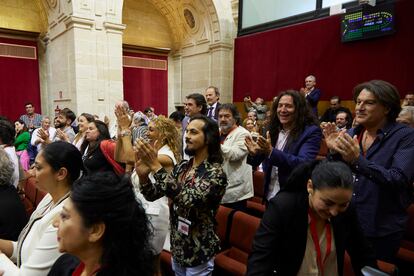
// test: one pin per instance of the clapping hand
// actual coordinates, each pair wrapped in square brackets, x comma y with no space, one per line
[61,135]
[330,133]
[348,147]
[147,154]
[122,117]
[42,134]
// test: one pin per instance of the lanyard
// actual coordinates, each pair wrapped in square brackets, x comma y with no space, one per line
[79,269]
[315,239]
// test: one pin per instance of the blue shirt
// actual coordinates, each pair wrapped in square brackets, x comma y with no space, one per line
[383,180]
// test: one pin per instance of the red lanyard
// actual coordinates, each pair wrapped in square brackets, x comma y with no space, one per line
[79,269]
[315,239]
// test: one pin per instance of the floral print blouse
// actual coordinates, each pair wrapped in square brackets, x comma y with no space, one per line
[196,194]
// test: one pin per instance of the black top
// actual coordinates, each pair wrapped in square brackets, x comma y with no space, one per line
[95,161]
[64,266]
[280,241]
[13,216]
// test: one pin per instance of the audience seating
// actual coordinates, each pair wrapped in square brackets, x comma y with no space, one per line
[32,195]
[406,251]
[255,204]
[224,221]
[233,261]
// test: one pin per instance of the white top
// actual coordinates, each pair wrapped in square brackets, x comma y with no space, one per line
[157,211]
[239,173]
[11,152]
[39,246]
[309,266]
[78,143]
[35,136]
[274,185]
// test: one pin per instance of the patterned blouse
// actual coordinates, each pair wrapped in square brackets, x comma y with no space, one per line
[196,195]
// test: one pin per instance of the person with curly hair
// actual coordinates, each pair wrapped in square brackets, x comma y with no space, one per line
[163,135]
[104,229]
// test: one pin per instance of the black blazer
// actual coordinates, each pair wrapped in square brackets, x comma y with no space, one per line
[280,242]
[13,216]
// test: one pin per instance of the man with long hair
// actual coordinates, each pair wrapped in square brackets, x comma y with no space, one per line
[195,187]
[293,138]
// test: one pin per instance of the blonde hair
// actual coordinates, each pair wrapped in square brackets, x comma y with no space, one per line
[168,135]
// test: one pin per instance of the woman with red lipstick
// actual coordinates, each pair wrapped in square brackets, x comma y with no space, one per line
[308,226]
[57,166]
[104,228]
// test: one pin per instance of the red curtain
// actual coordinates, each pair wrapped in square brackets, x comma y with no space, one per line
[146,87]
[269,62]
[19,82]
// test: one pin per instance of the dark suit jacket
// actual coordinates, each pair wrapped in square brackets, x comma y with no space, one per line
[313,99]
[304,148]
[13,215]
[280,241]
[215,115]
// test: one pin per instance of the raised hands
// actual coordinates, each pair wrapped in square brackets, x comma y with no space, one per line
[341,142]
[348,147]
[330,133]
[124,121]
[61,135]
[146,156]
[263,145]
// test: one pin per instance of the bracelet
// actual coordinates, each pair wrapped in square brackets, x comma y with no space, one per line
[124,133]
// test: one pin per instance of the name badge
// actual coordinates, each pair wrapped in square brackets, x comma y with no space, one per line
[183,225]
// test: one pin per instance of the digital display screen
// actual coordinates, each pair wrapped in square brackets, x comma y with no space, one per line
[368,22]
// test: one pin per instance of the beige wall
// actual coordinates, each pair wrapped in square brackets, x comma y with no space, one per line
[145,26]
[22,15]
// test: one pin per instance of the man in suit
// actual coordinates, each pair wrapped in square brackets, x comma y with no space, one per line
[239,173]
[212,95]
[311,93]
[194,104]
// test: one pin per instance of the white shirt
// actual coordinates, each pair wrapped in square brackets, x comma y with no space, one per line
[40,246]
[274,186]
[35,136]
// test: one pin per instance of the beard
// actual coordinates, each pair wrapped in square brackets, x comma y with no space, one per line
[189,152]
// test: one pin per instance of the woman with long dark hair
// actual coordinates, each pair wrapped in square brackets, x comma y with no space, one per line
[57,166]
[105,228]
[308,226]
[95,158]
[21,142]
[294,137]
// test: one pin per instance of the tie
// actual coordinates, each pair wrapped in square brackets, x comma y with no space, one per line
[210,112]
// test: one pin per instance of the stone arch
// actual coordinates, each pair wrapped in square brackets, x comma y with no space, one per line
[211,15]
[43,15]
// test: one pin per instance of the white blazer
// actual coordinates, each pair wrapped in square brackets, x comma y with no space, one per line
[239,173]
[39,248]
